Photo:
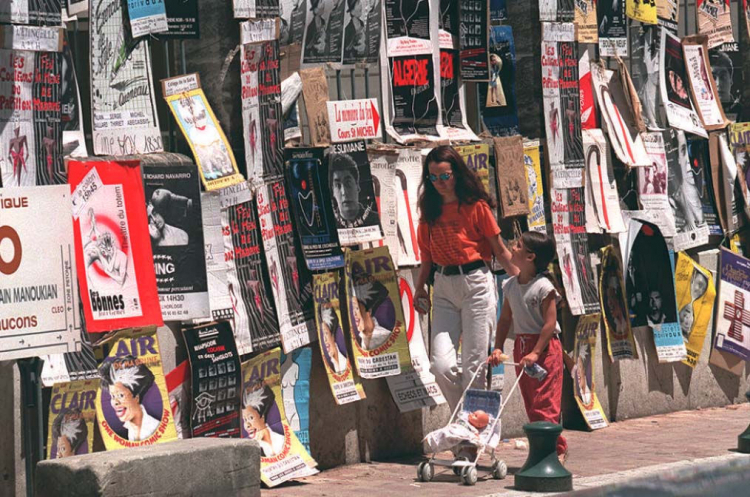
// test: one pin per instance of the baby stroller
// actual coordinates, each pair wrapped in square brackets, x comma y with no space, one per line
[488,438]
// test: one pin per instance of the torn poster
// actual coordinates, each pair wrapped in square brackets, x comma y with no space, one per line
[216,266]
[696,294]
[453,99]
[295,392]
[732,317]
[473,40]
[584,390]
[602,178]
[264,419]
[685,186]
[562,102]
[39,307]
[417,389]
[131,378]
[307,179]
[589,119]
[30,119]
[511,184]
[123,107]
[383,168]
[246,9]
[536,220]
[33,12]
[254,322]
[556,10]
[362,31]
[673,84]
[345,384]
[646,49]
[702,84]
[500,115]
[74,139]
[211,149]
[620,342]
[668,14]
[643,11]
[714,19]
[324,32]
[375,314]
[315,96]
[147,17]
[652,184]
[291,282]
[726,66]
[408,179]
[352,195]
[585,21]
[618,116]
[113,249]
[568,225]
[72,418]
[613,39]
[216,377]
[650,289]
[261,100]
[173,205]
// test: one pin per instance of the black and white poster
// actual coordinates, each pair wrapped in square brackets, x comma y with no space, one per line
[350,183]
[473,40]
[292,18]
[307,179]
[644,71]
[74,139]
[726,66]
[613,39]
[699,156]
[407,27]
[173,205]
[556,10]
[291,281]
[255,325]
[674,87]
[362,31]
[216,381]
[254,9]
[34,12]
[182,19]
[324,31]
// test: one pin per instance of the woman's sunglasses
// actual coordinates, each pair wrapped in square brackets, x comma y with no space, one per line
[441,177]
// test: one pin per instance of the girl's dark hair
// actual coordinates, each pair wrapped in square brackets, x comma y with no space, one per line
[543,247]
[469,188]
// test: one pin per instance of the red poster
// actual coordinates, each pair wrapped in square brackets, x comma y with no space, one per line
[113,247]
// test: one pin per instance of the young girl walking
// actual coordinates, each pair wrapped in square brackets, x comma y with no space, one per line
[457,236]
[530,307]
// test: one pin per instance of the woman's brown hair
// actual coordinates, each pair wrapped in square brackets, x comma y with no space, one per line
[469,188]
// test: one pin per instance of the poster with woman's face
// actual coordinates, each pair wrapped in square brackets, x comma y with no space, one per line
[72,416]
[696,295]
[620,342]
[264,419]
[132,406]
[586,334]
[345,385]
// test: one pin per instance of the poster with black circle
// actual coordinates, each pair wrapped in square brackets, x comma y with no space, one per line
[173,206]
[216,381]
[307,179]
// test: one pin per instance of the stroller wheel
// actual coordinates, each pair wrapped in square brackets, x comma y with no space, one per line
[499,470]
[469,475]
[458,469]
[425,472]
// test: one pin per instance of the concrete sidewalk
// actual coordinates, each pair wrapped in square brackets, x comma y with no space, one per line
[623,451]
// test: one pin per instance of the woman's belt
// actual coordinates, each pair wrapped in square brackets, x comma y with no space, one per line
[462,269]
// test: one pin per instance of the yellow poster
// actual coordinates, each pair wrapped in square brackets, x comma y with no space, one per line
[696,295]
[376,314]
[132,406]
[72,414]
[533,164]
[345,385]
[620,341]
[213,153]
[641,10]
[477,158]
[283,457]
[583,371]
[587,30]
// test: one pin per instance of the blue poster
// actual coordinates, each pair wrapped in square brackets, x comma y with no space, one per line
[147,16]
[498,10]
[295,392]
[498,96]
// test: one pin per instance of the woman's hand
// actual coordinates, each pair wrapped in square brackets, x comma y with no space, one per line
[530,359]
[422,301]
[497,357]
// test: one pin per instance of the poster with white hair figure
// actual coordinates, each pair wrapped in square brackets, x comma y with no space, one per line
[132,403]
[264,419]
[583,373]
[72,415]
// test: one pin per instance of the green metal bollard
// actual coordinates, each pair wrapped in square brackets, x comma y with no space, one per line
[542,471]
[743,441]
